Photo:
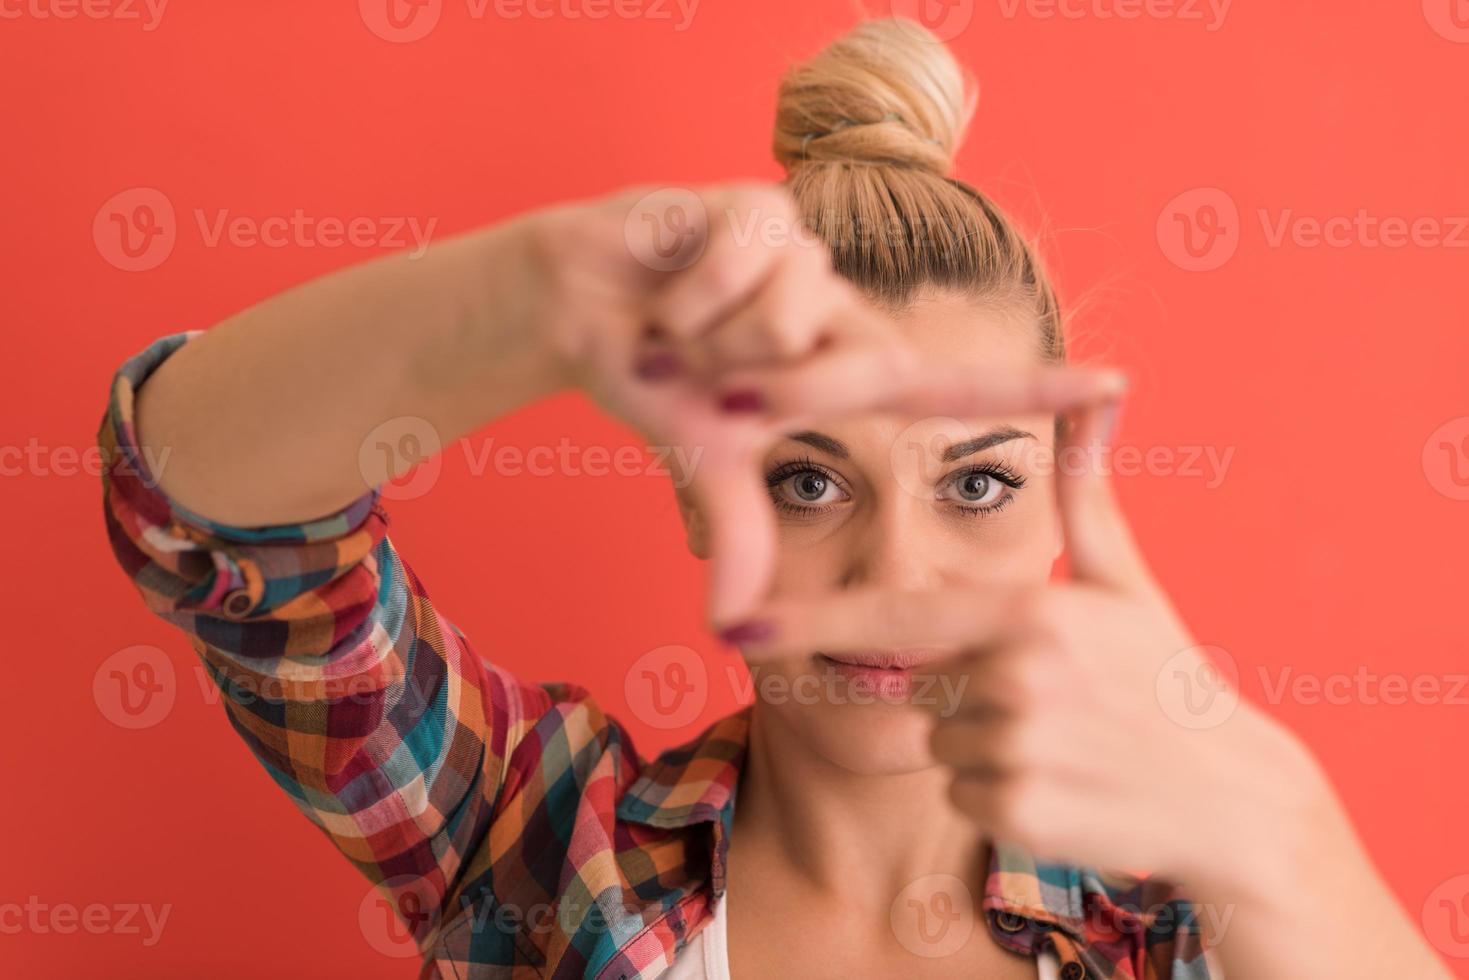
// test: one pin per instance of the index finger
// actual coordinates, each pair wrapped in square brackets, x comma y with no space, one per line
[869,373]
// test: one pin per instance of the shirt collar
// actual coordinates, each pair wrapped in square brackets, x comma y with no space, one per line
[695,784]
[1024,896]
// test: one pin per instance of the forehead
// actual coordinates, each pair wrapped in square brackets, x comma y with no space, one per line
[947,328]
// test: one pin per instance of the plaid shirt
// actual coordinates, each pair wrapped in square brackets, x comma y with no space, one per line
[513,826]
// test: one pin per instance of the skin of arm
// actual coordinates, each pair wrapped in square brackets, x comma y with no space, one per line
[295,384]
[1307,899]
[263,419]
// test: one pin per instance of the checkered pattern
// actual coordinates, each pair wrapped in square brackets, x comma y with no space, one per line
[514,826]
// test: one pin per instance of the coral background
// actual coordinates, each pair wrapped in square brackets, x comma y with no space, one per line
[1173,163]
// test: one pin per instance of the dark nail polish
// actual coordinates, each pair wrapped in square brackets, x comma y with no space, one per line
[753,631]
[742,401]
[656,367]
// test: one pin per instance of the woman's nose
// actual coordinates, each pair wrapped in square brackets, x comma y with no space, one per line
[891,551]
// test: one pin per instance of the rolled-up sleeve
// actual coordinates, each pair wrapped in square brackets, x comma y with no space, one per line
[361,700]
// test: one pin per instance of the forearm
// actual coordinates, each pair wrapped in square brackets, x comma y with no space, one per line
[263,419]
[1307,901]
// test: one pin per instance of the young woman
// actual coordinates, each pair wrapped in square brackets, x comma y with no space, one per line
[891,458]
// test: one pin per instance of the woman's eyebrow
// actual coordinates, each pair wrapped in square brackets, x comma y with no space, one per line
[996,436]
[828,445]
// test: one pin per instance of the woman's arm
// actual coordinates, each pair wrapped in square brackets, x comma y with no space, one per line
[260,537]
[1301,897]
[351,688]
[260,420]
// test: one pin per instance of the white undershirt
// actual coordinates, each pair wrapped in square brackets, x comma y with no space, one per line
[706,957]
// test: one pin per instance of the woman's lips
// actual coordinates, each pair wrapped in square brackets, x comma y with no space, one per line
[887,674]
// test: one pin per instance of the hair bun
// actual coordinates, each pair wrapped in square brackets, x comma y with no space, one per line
[888,92]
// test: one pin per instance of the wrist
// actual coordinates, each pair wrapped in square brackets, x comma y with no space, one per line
[517,303]
[1283,831]
[1297,868]
[476,346]
[549,258]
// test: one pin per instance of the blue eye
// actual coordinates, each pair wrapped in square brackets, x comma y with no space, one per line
[982,490]
[807,488]
[803,486]
[978,488]
[810,486]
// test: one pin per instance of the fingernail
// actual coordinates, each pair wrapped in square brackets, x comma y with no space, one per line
[751,631]
[745,400]
[655,367]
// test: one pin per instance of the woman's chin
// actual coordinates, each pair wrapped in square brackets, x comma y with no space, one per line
[867,739]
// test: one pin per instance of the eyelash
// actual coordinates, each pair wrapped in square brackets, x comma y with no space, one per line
[996,470]
[785,471]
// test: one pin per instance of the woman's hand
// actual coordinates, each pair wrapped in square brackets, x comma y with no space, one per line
[711,322]
[1074,727]
[1072,722]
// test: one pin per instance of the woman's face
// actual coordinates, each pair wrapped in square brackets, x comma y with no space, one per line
[904,504]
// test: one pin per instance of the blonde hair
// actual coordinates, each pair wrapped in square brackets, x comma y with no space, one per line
[867,131]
